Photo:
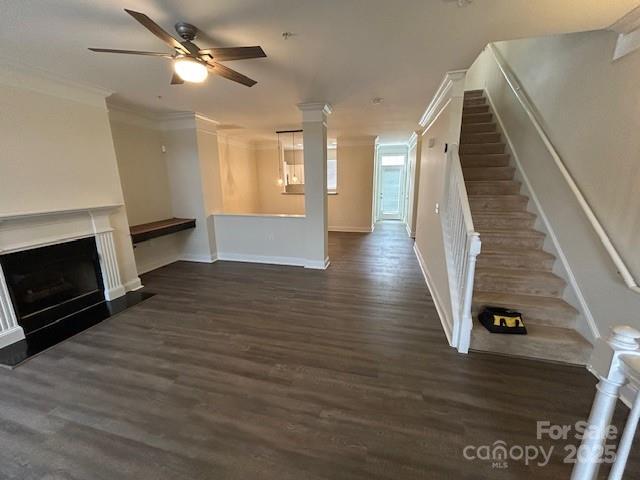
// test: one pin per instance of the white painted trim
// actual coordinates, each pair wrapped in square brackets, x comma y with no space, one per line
[573,282]
[39,213]
[198,258]
[7,337]
[259,215]
[600,231]
[409,231]
[627,43]
[133,285]
[350,229]
[443,94]
[413,140]
[32,78]
[317,265]
[446,322]
[315,111]
[628,23]
[157,263]
[271,260]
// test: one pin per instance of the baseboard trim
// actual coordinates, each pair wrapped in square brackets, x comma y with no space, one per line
[318,265]
[271,260]
[351,229]
[447,325]
[190,257]
[584,306]
[163,262]
[410,232]
[13,335]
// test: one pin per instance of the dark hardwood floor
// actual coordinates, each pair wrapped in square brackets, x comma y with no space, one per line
[245,371]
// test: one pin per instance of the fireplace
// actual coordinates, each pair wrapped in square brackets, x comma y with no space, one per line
[49,283]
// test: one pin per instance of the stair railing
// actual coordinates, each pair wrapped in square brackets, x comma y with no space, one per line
[528,108]
[462,246]
[617,363]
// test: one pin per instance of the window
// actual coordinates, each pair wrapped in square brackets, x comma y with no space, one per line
[332,171]
[393,160]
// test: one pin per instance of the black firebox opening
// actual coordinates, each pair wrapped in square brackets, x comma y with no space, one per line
[49,283]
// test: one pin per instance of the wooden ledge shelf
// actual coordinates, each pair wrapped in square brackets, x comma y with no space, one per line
[147,231]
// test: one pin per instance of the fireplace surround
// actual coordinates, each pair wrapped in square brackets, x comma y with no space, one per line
[56,234]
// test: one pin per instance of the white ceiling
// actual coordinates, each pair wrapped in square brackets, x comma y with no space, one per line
[344,52]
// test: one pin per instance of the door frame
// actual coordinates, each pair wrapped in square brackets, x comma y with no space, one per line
[383,150]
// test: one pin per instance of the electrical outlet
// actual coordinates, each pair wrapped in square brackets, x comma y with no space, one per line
[437,208]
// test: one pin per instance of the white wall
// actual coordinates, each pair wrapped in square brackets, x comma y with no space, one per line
[239,176]
[57,153]
[138,144]
[188,197]
[261,238]
[351,208]
[589,108]
[429,242]
[413,162]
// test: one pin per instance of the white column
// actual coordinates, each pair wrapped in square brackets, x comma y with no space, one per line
[314,124]
[10,331]
[113,287]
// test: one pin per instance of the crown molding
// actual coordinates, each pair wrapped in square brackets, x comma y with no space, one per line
[628,23]
[27,77]
[451,86]
[134,117]
[628,30]
[315,111]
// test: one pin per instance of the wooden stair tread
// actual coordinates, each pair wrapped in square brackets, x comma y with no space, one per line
[515,300]
[524,232]
[554,344]
[517,252]
[147,231]
[514,273]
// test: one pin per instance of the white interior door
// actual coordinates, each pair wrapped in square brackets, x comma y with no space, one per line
[391,187]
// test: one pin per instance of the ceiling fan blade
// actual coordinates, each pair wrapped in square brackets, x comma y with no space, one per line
[176,80]
[230,74]
[130,52]
[234,53]
[157,30]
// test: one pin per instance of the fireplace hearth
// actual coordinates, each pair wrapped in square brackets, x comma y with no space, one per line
[49,283]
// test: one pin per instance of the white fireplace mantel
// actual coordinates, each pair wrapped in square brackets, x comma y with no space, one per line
[27,230]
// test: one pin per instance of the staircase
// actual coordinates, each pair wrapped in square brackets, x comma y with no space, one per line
[512,270]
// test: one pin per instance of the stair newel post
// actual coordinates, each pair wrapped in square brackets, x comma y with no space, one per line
[606,362]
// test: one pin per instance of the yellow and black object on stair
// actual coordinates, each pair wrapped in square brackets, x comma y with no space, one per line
[502,320]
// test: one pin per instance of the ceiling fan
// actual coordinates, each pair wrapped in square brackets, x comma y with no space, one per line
[190,63]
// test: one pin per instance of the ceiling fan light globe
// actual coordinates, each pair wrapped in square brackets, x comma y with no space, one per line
[190,70]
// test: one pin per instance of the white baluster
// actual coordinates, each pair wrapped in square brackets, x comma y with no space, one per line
[632,370]
[623,340]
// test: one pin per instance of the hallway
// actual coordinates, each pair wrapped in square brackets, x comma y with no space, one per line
[246,371]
